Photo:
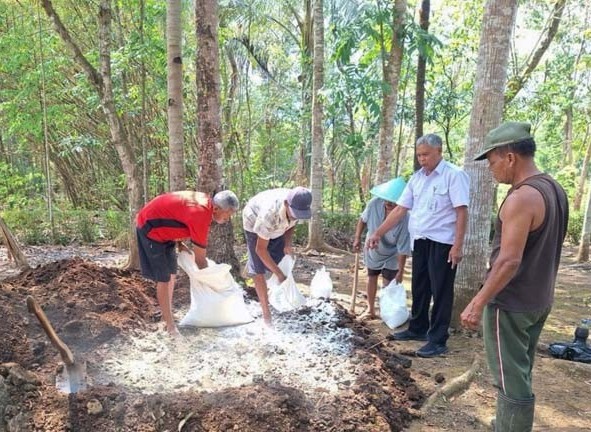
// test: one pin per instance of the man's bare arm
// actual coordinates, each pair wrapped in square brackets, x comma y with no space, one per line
[519,214]
[391,220]
[263,253]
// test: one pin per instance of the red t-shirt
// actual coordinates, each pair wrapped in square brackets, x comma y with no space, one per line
[177,216]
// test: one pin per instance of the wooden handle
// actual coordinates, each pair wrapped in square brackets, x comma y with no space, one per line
[63,349]
[355,282]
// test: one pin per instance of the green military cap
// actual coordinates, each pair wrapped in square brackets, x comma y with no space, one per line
[507,133]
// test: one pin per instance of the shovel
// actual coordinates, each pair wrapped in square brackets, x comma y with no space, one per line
[355,283]
[72,377]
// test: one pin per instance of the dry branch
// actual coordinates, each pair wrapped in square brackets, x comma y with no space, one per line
[453,387]
[13,247]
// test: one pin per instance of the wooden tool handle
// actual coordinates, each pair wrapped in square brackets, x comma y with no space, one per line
[355,282]
[63,349]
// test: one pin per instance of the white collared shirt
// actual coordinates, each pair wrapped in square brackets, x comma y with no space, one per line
[433,199]
[266,215]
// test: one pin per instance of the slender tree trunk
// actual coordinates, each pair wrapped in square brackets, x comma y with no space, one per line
[391,77]
[209,126]
[487,110]
[145,171]
[118,135]
[102,83]
[315,236]
[421,71]
[583,253]
[12,247]
[584,171]
[46,149]
[305,26]
[517,82]
[176,158]
[567,143]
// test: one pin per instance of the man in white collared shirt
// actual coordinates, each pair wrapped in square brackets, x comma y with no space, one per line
[269,219]
[438,195]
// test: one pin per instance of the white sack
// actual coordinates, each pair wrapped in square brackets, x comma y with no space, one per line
[321,285]
[285,296]
[216,299]
[393,308]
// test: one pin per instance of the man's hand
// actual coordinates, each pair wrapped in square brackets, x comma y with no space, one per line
[372,241]
[455,256]
[280,276]
[288,250]
[399,276]
[182,247]
[356,245]
[471,316]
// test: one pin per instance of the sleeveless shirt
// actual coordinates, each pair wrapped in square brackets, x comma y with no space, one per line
[532,287]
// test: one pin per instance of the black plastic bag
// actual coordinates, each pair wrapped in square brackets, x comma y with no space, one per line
[574,351]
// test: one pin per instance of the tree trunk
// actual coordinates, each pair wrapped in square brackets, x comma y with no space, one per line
[12,247]
[176,157]
[583,253]
[305,25]
[391,76]
[315,236]
[487,110]
[516,83]
[143,146]
[584,171]
[102,83]
[118,135]
[209,127]
[421,71]
[567,144]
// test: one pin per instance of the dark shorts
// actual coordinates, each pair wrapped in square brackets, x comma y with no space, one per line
[157,260]
[275,248]
[387,273]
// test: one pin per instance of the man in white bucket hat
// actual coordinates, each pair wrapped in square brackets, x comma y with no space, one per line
[389,257]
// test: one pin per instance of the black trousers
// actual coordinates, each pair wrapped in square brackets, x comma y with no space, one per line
[432,278]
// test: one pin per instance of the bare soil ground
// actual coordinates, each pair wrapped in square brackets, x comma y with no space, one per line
[93,305]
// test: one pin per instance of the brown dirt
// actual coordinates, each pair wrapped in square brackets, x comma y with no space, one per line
[90,305]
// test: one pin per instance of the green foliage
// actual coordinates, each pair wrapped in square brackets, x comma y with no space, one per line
[568,177]
[32,225]
[18,186]
[575,226]
[262,53]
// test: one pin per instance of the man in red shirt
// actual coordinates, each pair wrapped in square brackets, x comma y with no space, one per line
[171,218]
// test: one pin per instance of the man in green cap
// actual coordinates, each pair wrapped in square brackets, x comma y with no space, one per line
[389,258]
[518,291]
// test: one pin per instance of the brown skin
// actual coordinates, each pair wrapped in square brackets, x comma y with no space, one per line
[522,212]
[372,280]
[428,157]
[165,290]
[260,283]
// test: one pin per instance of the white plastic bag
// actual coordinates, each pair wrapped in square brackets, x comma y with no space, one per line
[216,299]
[285,296]
[321,285]
[393,308]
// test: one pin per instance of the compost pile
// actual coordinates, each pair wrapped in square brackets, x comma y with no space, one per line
[317,370]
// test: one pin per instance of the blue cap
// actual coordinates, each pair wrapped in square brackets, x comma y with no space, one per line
[389,191]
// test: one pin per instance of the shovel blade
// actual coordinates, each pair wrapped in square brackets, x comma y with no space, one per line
[72,378]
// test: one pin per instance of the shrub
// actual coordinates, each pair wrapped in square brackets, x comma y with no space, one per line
[575,226]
